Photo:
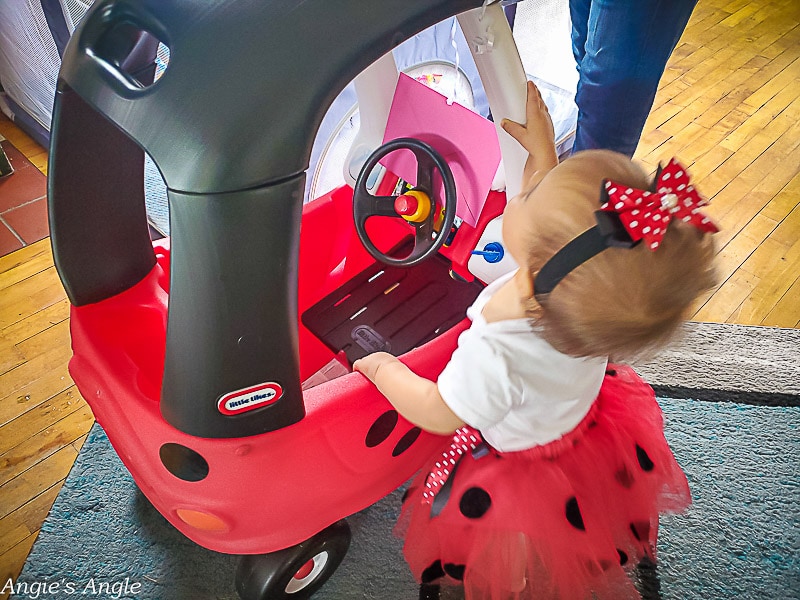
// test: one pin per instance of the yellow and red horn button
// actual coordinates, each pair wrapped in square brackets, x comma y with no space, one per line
[414,206]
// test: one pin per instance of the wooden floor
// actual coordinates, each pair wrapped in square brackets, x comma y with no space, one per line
[728,107]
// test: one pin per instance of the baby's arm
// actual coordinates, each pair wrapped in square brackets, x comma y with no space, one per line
[414,397]
[537,136]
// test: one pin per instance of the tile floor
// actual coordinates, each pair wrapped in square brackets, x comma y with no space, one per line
[23,202]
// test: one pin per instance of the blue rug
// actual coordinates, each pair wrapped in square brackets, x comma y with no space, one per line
[740,539]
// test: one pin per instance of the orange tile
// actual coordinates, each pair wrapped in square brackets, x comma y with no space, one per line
[8,241]
[29,221]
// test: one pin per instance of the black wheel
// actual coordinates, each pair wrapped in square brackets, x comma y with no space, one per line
[428,235]
[294,573]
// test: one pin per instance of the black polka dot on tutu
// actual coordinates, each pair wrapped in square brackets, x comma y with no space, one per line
[625,478]
[644,460]
[474,503]
[432,573]
[623,557]
[455,571]
[611,372]
[593,568]
[574,514]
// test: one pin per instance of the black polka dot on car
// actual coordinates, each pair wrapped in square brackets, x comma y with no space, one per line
[406,441]
[184,463]
[381,429]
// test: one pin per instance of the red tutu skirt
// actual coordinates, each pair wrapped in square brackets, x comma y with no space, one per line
[566,520]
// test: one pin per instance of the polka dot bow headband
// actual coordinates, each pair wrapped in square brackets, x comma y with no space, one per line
[646,214]
[628,216]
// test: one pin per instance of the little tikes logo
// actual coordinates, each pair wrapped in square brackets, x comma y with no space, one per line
[257,396]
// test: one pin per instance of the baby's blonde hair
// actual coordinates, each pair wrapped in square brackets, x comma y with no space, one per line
[623,303]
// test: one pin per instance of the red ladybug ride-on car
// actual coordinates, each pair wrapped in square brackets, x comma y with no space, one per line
[191,350]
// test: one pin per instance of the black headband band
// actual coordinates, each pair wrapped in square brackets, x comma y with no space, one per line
[608,233]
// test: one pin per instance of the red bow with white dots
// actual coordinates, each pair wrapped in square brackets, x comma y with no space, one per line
[645,215]
[464,441]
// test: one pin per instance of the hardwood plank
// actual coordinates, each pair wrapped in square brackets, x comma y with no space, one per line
[739,248]
[36,323]
[12,561]
[33,382]
[38,419]
[30,296]
[784,202]
[759,181]
[698,146]
[732,6]
[10,357]
[757,154]
[41,342]
[21,523]
[704,79]
[21,141]
[672,85]
[763,76]
[709,162]
[39,160]
[765,11]
[745,12]
[675,144]
[20,257]
[42,445]
[37,265]
[727,298]
[36,480]
[724,112]
[786,313]
[701,24]
[772,36]
[78,444]
[11,533]
[776,269]
[786,232]
[649,142]
[786,77]
[745,127]
[757,199]
[693,59]
[717,305]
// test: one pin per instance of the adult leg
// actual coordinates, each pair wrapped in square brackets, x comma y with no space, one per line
[511,13]
[628,43]
[579,17]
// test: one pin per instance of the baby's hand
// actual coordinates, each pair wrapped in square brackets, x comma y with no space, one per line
[369,365]
[537,136]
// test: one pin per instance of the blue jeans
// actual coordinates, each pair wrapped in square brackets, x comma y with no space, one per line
[621,48]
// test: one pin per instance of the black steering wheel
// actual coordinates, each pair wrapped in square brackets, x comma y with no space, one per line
[418,207]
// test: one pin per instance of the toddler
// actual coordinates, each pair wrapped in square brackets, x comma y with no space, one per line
[558,468]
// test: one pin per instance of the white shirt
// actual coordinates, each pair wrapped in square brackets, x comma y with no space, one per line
[506,381]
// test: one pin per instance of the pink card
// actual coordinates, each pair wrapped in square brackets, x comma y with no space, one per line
[466,140]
